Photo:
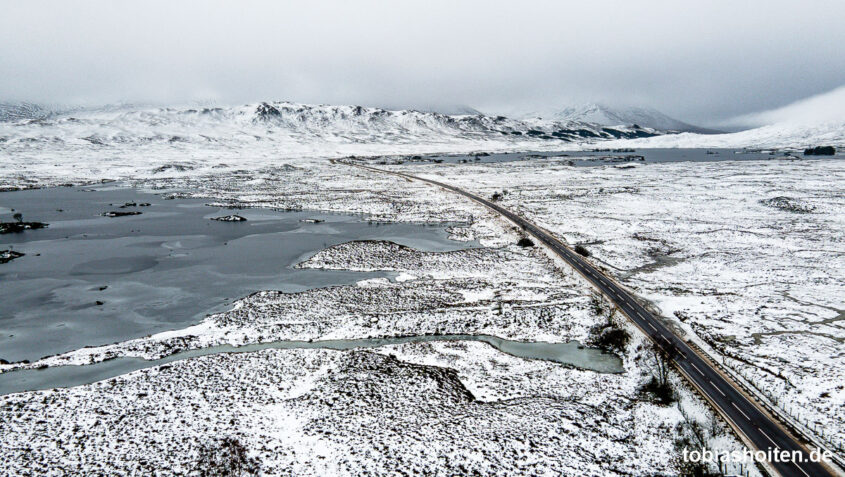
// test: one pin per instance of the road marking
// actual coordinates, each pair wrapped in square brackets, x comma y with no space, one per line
[802,470]
[666,339]
[717,388]
[740,411]
[696,368]
[652,326]
[769,438]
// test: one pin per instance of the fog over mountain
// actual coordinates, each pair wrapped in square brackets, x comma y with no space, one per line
[624,115]
[828,107]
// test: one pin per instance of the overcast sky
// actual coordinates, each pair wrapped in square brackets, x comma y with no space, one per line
[704,62]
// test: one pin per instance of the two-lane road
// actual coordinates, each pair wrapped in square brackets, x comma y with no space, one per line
[746,417]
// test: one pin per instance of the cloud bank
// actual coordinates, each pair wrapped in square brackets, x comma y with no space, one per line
[699,61]
[819,109]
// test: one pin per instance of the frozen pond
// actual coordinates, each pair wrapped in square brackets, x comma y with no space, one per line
[570,353]
[620,156]
[88,279]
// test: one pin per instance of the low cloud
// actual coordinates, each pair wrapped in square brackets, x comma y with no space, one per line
[702,61]
[819,109]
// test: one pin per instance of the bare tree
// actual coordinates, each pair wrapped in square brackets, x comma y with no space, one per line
[659,362]
[692,428]
[692,434]
[599,304]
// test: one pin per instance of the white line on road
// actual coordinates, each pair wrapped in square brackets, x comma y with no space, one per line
[769,438]
[696,368]
[740,411]
[802,470]
[717,388]
[652,326]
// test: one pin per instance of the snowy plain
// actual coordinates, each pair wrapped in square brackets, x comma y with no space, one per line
[432,408]
[438,408]
[747,256]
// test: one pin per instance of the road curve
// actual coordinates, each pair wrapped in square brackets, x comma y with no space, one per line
[754,424]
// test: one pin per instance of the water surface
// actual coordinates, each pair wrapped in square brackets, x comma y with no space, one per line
[570,353]
[90,280]
[634,156]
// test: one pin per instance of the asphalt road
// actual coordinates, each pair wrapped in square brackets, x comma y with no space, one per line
[745,416]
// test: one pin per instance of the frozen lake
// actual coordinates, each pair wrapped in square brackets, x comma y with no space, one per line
[88,279]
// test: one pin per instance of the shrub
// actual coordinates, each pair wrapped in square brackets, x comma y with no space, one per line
[788,204]
[613,338]
[525,242]
[226,457]
[609,335]
[659,392]
[599,304]
[820,151]
[580,250]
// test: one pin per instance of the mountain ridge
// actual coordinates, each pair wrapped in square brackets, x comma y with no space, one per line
[604,115]
[273,121]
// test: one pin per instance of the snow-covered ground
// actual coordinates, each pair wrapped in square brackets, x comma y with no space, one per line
[41,147]
[440,408]
[435,409]
[747,255]
[137,142]
[780,135]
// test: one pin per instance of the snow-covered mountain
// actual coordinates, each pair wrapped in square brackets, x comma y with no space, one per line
[608,116]
[358,120]
[128,142]
[451,110]
[273,128]
[22,111]
[41,145]
[285,122]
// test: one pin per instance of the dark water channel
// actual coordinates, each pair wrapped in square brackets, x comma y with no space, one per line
[570,353]
[621,156]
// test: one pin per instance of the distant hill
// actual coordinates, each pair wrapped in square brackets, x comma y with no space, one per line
[448,109]
[312,130]
[457,110]
[22,111]
[643,117]
[29,127]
